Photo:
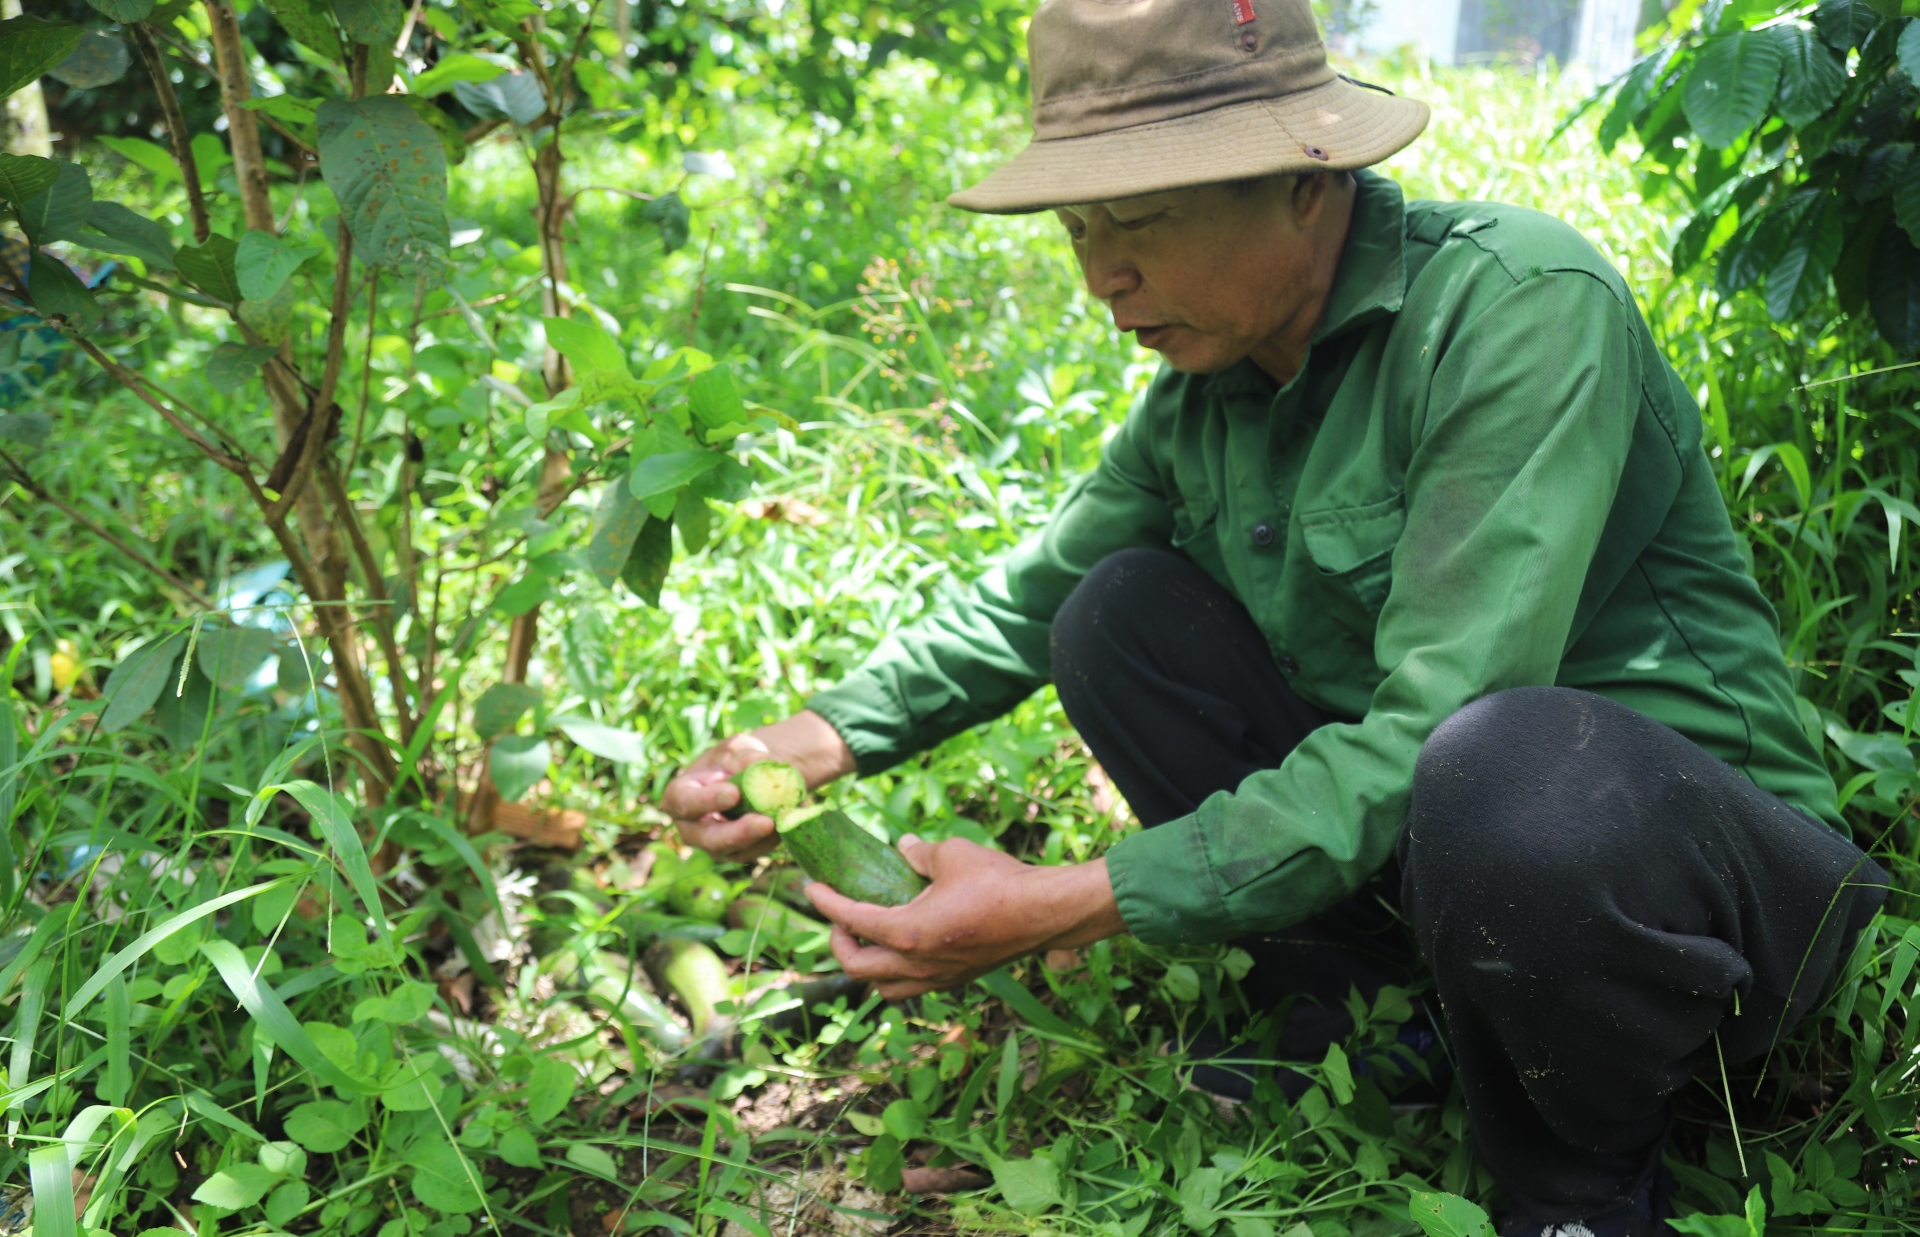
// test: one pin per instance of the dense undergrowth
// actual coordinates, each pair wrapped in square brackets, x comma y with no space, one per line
[243,1002]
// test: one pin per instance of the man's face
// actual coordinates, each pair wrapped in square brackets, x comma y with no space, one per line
[1202,276]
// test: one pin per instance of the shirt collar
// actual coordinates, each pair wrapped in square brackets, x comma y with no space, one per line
[1370,283]
[1372,279]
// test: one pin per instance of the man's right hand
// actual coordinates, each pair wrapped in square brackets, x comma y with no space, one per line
[698,797]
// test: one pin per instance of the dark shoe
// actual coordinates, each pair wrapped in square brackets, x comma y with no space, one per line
[1644,1215]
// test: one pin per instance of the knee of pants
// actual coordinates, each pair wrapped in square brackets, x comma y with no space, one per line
[1510,796]
[1104,609]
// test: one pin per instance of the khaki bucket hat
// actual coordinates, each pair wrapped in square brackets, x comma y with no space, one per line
[1141,96]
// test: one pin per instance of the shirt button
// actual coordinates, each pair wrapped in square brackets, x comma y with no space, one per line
[1287,664]
[1263,535]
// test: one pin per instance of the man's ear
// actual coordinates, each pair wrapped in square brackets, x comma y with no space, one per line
[1309,197]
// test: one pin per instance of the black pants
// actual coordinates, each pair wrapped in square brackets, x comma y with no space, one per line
[1595,895]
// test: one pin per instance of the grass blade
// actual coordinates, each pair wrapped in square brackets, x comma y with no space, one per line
[119,1020]
[271,1016]
[112,967]
[33,1001]
[344,841]
[52,1192]
[50,927]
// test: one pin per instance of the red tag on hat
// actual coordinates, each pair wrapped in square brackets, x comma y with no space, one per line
[1242,12]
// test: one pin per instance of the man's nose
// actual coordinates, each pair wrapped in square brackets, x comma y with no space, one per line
[1109,271]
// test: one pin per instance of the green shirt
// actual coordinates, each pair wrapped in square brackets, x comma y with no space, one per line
[1484,476]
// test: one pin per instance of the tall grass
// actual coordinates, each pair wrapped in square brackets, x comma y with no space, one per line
[275,1039]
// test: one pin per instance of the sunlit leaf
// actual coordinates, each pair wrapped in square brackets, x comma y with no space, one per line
[516,763]
[501,707]
[442,1178]
[29,47]
[389,172]
[1730,85]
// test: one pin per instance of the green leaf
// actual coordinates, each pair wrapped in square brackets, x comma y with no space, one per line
[412,1085]
[1448,1215]
[144,154]
[408,1002]
[694,518]
[231,656]
[56,290]
[23,177]
[115,229]
[668,213]
[1845,24]
[51,1174]
[285,107]
[459,67]
[100,59]
[442,1178]
[137,682]
[1730,85]
[1799,278]
[518,1148]
[609,742]
[516,763]
[29,47]
[729,482]
[1199,1195]
[1908,49]
[325,1126]
[1029,1186]
[343,841]
[714,400]
[617,521]
[905,1120]
[512,96]
[58,212]
[665,473]
[210,268]
[523,594]
[1335,1072]
[271,1016]
[550,1088]
[884,1164]
[288,1200]
[646,569]
[1893,289]
[236,1187]
[587,344]
[1812,75]
[231,366]
[26,429]
[374,22]
[307,21]
[453,139]
[501,707]
[123,11]
[264,262]
[593,1159]
[389,172]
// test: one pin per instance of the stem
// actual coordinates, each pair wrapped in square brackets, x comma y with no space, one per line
[176,129]
[243,126]
[376,587]
[32,487]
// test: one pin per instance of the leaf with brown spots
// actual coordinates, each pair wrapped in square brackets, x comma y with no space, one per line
[389,172]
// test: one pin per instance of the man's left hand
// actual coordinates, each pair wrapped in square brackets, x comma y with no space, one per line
[983,908]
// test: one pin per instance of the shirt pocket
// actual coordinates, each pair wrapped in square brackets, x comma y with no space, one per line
[1353,547]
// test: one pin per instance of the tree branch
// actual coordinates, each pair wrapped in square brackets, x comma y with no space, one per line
[176,129]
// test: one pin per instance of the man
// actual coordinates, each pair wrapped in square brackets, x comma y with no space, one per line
[1406,580]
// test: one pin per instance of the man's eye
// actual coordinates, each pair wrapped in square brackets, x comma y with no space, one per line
[1134,225]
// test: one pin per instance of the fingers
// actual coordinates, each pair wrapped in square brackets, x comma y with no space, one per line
[692,796]
[863,919]
[746,838]
[919,854]
[894,977]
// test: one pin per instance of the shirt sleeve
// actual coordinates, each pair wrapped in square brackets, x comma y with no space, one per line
[973,661]
[1528,423]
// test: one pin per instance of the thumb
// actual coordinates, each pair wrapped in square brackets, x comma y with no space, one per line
[918,853]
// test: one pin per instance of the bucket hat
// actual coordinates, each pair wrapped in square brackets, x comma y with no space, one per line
[1141,96]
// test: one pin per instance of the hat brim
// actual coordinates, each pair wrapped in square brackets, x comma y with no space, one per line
[1352,126]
